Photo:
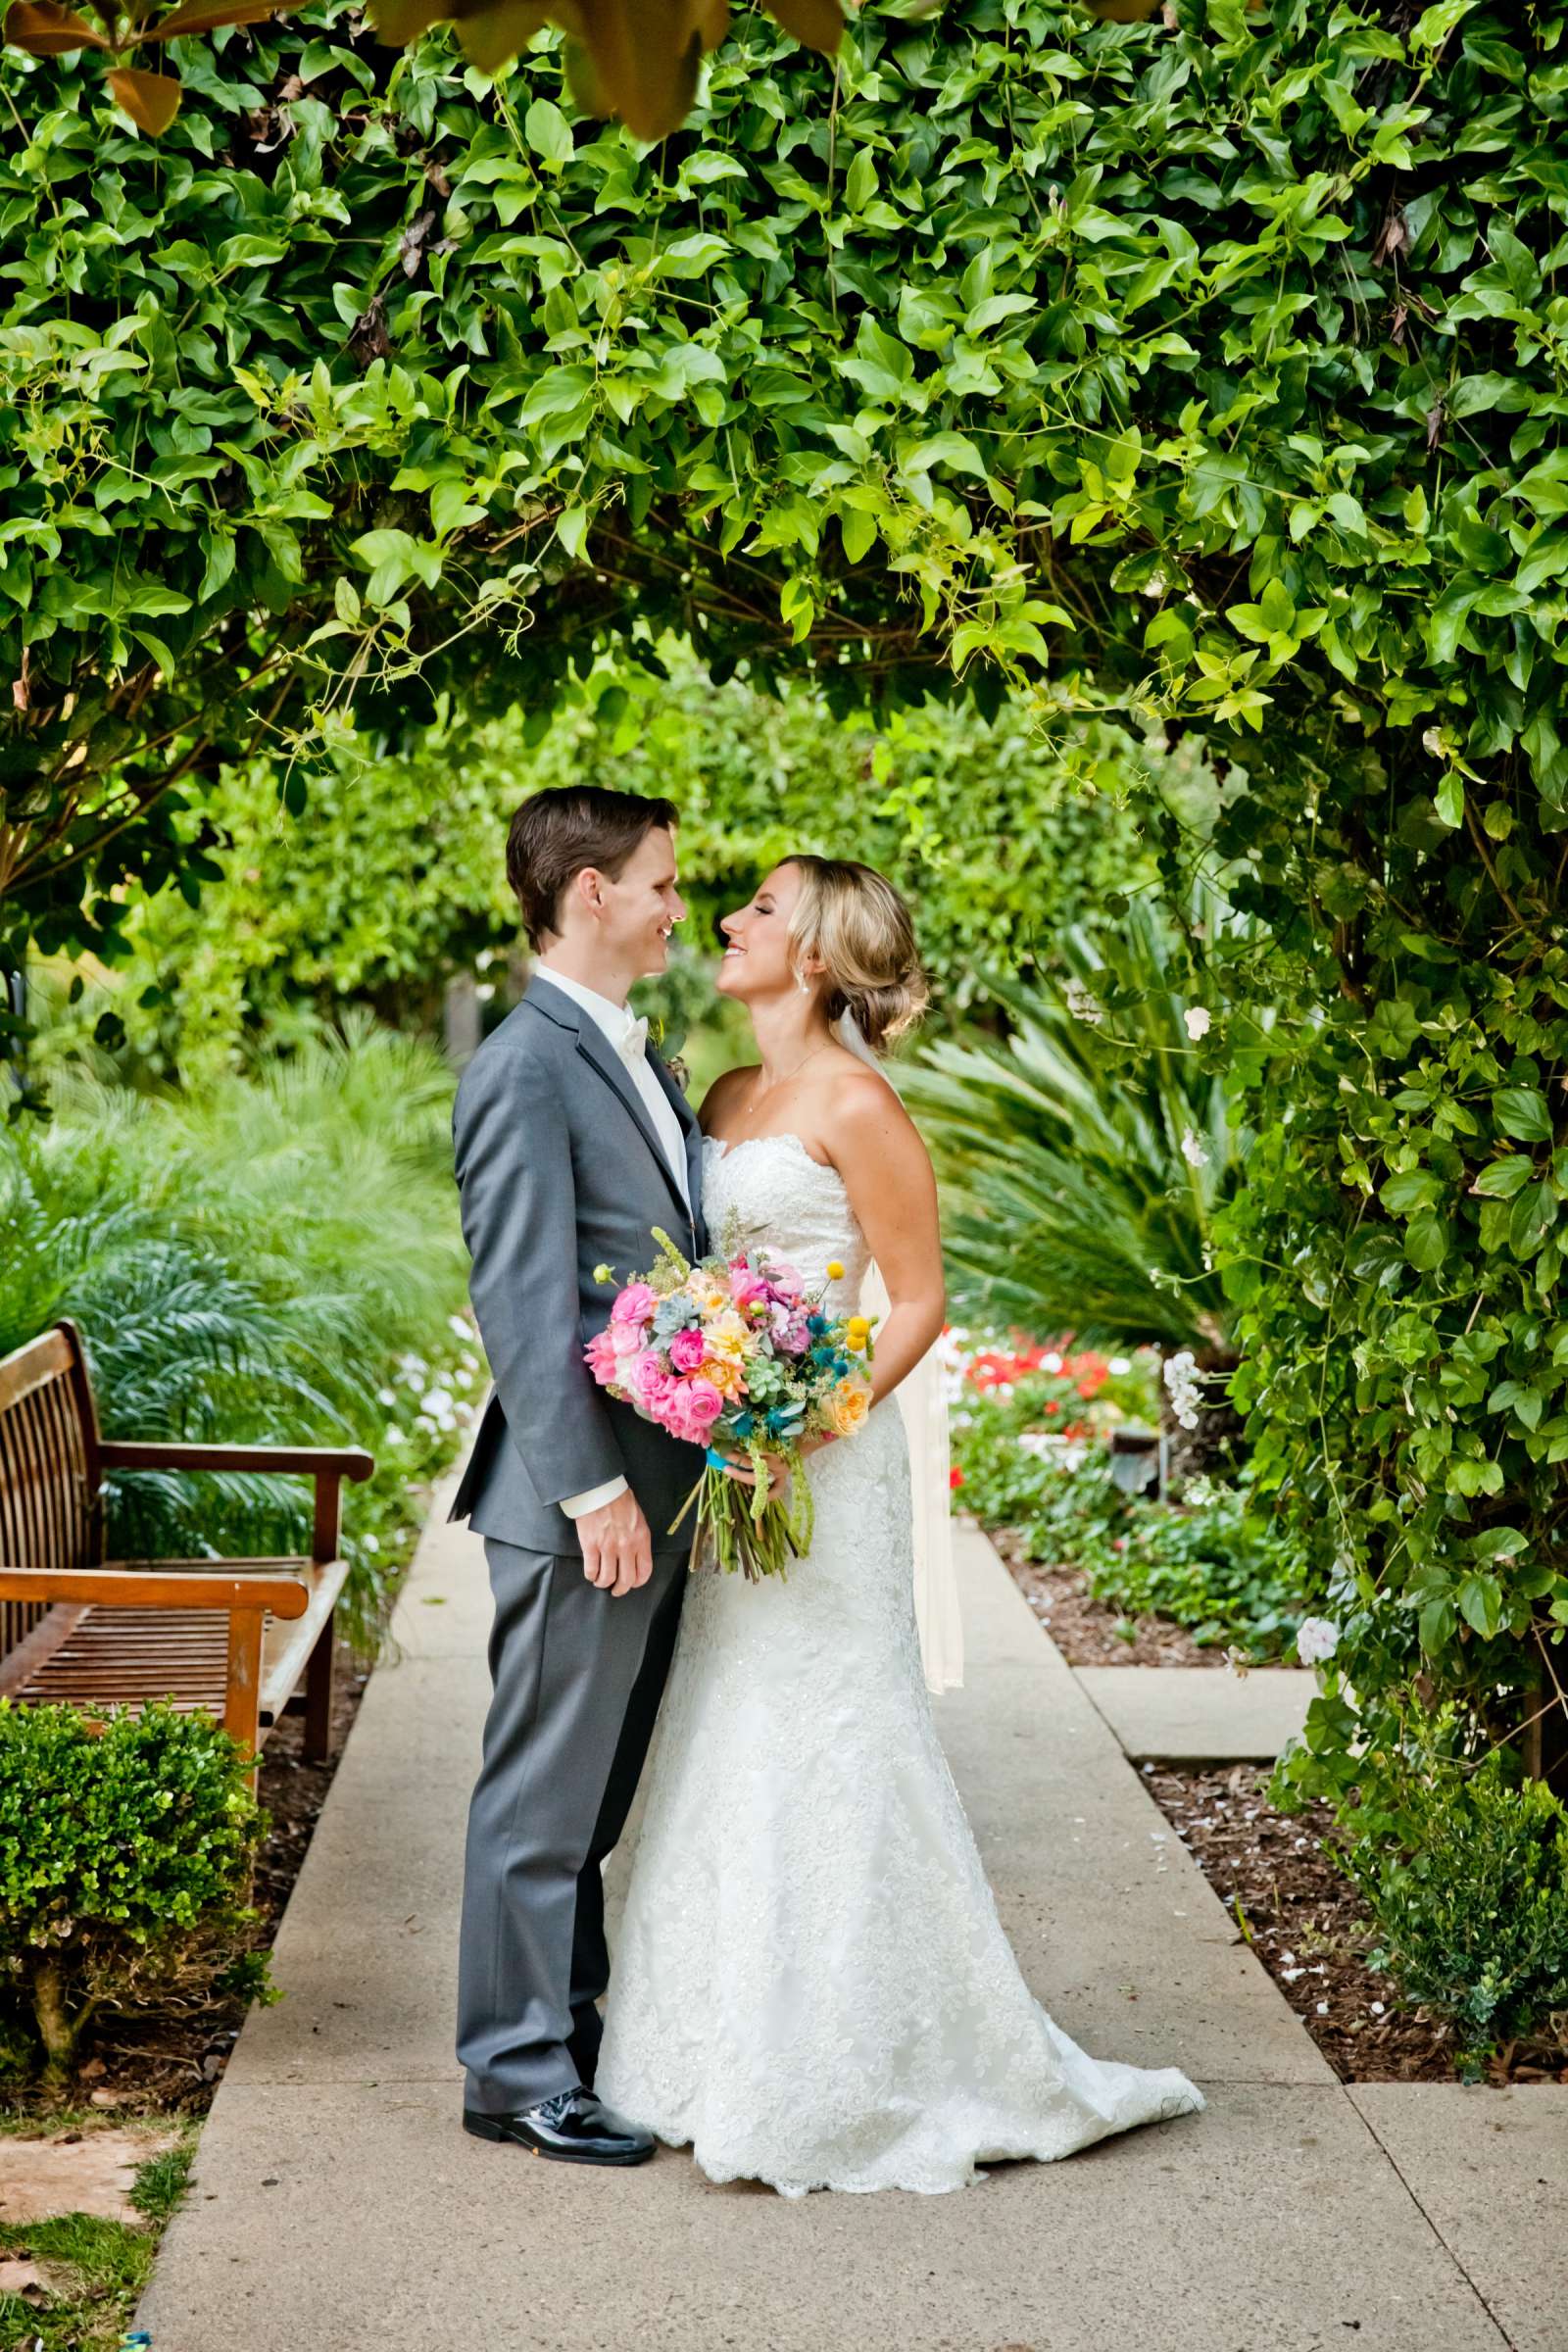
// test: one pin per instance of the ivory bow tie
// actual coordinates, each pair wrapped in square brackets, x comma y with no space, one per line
[634,1045]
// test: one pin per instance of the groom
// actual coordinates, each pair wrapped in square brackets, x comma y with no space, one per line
[572,1143]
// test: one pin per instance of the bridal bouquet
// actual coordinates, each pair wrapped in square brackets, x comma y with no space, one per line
[736,1351]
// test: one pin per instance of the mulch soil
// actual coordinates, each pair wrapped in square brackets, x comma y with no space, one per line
[173,2062]
[1304,1920]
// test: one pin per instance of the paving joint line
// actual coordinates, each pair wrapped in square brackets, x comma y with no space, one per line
[1393,2163]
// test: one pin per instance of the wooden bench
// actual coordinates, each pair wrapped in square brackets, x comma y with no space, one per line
[233,1636]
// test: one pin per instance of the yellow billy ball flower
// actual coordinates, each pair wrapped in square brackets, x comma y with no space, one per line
[835,1272]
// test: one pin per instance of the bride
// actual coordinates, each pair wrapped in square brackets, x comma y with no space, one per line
[811,1986]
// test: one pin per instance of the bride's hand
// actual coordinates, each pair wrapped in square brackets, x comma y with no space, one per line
[778,1473]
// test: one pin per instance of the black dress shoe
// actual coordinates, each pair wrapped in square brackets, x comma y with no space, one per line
[573,2127]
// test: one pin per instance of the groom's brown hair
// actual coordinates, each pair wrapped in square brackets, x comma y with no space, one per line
[556,834]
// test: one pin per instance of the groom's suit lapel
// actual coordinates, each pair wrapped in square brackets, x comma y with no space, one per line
[597,1051]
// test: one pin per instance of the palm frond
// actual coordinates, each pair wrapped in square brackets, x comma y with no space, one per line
[245,1267]
[1083,1156]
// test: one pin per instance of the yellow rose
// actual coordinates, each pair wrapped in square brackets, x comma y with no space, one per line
[725,1376]
[849,1406]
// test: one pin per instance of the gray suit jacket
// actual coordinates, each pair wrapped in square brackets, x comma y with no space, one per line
[560,1169]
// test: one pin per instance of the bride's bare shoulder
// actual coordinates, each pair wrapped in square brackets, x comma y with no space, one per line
[724,1092]
[860,1108]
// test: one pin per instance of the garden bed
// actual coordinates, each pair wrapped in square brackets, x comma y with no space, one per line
[1092,1633]
[173,2062]
[1307,1925]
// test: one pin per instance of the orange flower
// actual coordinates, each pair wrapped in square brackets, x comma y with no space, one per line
[849,1406]
[727,1378]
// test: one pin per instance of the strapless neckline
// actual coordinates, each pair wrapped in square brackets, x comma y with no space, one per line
[781,1198]
[748,1143]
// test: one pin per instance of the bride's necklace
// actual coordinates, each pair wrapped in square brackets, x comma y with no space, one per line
[783,1079]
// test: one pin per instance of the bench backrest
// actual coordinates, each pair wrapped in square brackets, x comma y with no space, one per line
[50,1512]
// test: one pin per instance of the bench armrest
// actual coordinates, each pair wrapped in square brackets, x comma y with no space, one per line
[147,1589]
[329,1465]
[160,1453]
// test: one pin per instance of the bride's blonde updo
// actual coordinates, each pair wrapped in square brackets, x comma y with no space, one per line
[851,917]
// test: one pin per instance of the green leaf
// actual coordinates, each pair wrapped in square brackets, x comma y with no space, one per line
[882,366]
[1532,1218]
[857,531]
[955,449]
[1521,1111]
[1516,1396]
[1425,1241]
[1480,1602]
[1503,1178]
[547,132]
[859,184]
[1499,1543]
[1417,1189]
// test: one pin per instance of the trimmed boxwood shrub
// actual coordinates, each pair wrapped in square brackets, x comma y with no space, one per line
[125,1859]
[1465,1871]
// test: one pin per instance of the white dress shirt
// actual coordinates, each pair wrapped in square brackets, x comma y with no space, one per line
[617,1025]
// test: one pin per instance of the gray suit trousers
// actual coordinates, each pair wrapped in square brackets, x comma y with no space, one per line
[577,1677]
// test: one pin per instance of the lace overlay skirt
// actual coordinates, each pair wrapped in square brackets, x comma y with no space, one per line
[811,1987]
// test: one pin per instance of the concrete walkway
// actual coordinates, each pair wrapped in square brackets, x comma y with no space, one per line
[1199,1714]
[337,2205]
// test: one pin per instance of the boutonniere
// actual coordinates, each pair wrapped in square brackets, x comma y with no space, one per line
[659,1031]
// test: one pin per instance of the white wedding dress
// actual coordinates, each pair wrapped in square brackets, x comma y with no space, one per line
[811,1986]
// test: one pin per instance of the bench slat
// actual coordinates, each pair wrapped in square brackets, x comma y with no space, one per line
[130,1656]
[285,1646]
[34,1650]
[24,1369]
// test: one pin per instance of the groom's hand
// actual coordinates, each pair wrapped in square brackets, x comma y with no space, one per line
[618,1551]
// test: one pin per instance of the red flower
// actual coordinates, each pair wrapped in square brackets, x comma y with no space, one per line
[955,1478]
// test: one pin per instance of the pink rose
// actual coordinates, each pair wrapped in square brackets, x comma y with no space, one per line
[628,1339]
[635,1304]
[603,1361]
[703,1405]
[677,1417]
[647,1378]
[687,1350]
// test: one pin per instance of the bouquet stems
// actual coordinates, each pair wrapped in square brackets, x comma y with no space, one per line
[748,1529]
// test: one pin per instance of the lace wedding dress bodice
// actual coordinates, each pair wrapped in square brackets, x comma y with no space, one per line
[810,1982]
[785,1201]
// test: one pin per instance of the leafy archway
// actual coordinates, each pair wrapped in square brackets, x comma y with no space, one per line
[1208,369]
